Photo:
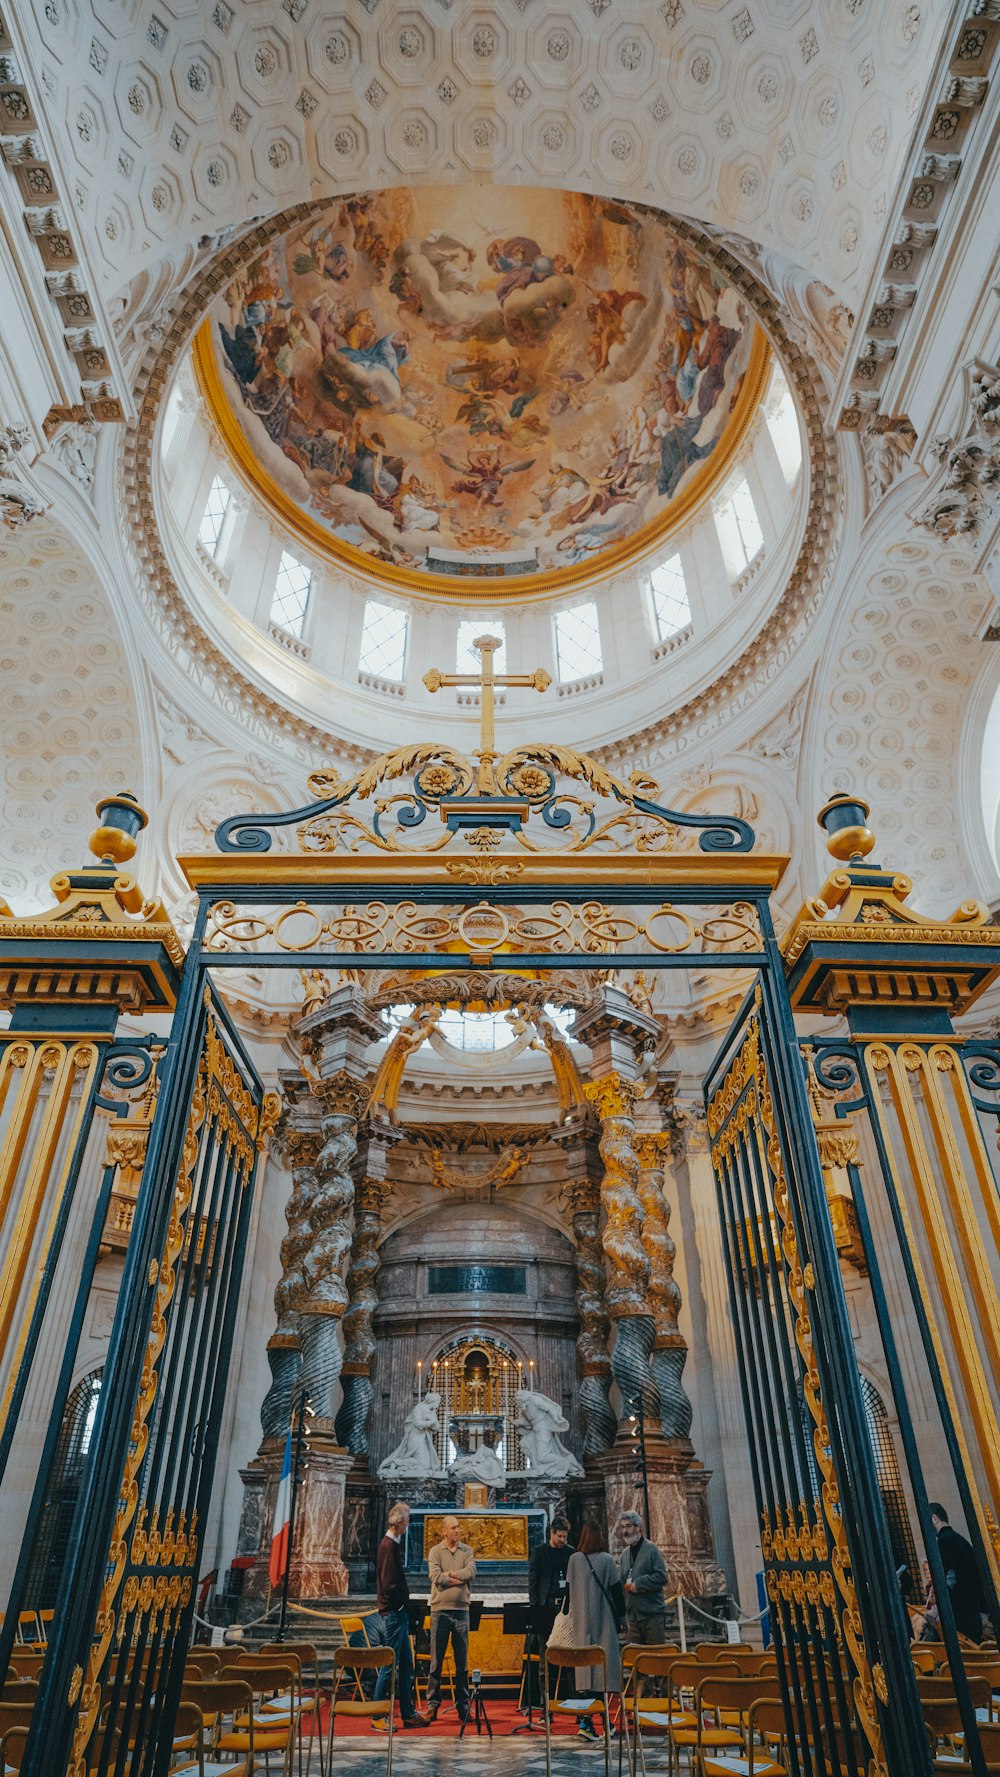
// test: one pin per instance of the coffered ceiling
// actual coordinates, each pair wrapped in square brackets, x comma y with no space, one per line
[785,121]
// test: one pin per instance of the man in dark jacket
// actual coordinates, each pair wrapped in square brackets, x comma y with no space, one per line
[961,1572]
[546,1591]
[643,1573]
[393,1595]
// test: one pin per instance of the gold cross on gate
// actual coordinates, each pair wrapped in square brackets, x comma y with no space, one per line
[487,681]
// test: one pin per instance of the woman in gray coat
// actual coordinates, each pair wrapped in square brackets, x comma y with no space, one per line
[590,1576]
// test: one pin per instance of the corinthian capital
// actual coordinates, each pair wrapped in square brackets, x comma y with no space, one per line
[613,1096]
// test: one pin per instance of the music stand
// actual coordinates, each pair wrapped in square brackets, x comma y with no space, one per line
[519,1619]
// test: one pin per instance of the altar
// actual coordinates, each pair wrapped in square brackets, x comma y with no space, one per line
[502,1541]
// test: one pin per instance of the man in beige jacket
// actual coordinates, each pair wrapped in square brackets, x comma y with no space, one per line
[452,1568]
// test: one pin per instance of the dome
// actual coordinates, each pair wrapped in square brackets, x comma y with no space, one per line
[446,395]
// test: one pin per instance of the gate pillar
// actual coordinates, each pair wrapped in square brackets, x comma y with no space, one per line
[918,1107]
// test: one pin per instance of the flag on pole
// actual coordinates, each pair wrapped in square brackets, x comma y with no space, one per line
[282,1513]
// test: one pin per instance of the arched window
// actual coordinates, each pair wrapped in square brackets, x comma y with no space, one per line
[578,644]
[383,642]
[49,1553]
[291,595]
[671,605]
[214,517]
[739,529]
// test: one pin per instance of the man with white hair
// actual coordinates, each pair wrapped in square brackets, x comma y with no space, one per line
[452,1568]
[643,1575]
[393,1596]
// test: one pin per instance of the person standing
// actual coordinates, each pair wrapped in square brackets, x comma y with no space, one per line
[546,1592]
[643,1573]
[392,1595]
[961,1572]
[590,1577]
[452,1568]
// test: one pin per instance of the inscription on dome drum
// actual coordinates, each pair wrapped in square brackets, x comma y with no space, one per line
[536,392]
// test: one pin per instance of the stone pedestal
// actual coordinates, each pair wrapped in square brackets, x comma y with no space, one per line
[678,1509]
[318,1568]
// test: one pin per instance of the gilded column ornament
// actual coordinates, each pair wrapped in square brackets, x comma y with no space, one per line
[321,1297]
[599,1417]
[669,1347]
[625,1294]
[362,1300]
[285,1345]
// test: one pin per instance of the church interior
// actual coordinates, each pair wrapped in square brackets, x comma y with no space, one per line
[500,886]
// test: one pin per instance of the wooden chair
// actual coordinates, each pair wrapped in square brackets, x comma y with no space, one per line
[24,1664]
[355,1626]
[201,1662]
[765,1728]
[580,1707]
[217,1701]
[721,1650]
[12,1745]
[365,1659]
[685,1676]
[303,1654]
[654,1714]
[275,1687]
[28,1632]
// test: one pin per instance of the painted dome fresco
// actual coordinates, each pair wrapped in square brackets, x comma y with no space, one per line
[532,390]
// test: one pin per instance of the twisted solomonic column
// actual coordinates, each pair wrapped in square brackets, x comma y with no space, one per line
[600,1421]
[625,1295]
[322,1298]
[284,1346]
[669,1346]
[362,1300]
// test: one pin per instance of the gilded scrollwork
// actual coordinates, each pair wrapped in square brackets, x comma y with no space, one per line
[525,783]
[402,928]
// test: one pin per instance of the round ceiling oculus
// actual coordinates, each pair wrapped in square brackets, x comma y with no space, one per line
[512,387]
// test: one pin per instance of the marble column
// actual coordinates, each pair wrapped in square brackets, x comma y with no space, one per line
[618,1036]
[362,1300]
[284,1346]
[669,1345]
[583,1193]
[336,1037]
[321,1296]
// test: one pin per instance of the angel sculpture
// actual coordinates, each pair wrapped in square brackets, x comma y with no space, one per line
[416,1455]
[538,1423]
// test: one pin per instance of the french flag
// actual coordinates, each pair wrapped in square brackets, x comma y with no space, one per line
[282,1512]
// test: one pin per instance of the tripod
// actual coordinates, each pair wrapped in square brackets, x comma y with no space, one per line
[477,1708]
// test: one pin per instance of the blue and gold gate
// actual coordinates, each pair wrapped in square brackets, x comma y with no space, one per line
[533,862]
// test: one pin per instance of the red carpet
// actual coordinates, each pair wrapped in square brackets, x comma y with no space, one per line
[502,1712]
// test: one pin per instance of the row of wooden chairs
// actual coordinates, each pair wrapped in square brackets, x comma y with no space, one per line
[238,1703]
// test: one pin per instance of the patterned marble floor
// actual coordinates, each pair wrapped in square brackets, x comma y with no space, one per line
[521,1757]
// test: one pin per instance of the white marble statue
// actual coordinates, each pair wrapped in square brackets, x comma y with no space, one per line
[479,1465]
[416,1456]
[538,1423]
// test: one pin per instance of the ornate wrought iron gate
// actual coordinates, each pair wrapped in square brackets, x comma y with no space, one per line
[616,891]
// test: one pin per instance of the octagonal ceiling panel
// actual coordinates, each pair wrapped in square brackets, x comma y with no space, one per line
[530,388]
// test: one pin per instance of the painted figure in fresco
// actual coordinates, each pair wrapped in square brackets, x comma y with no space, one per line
[483,475]
[425,372]
[607,315]
[717,348]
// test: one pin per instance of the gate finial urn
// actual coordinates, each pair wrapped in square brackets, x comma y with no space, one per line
[844,820]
